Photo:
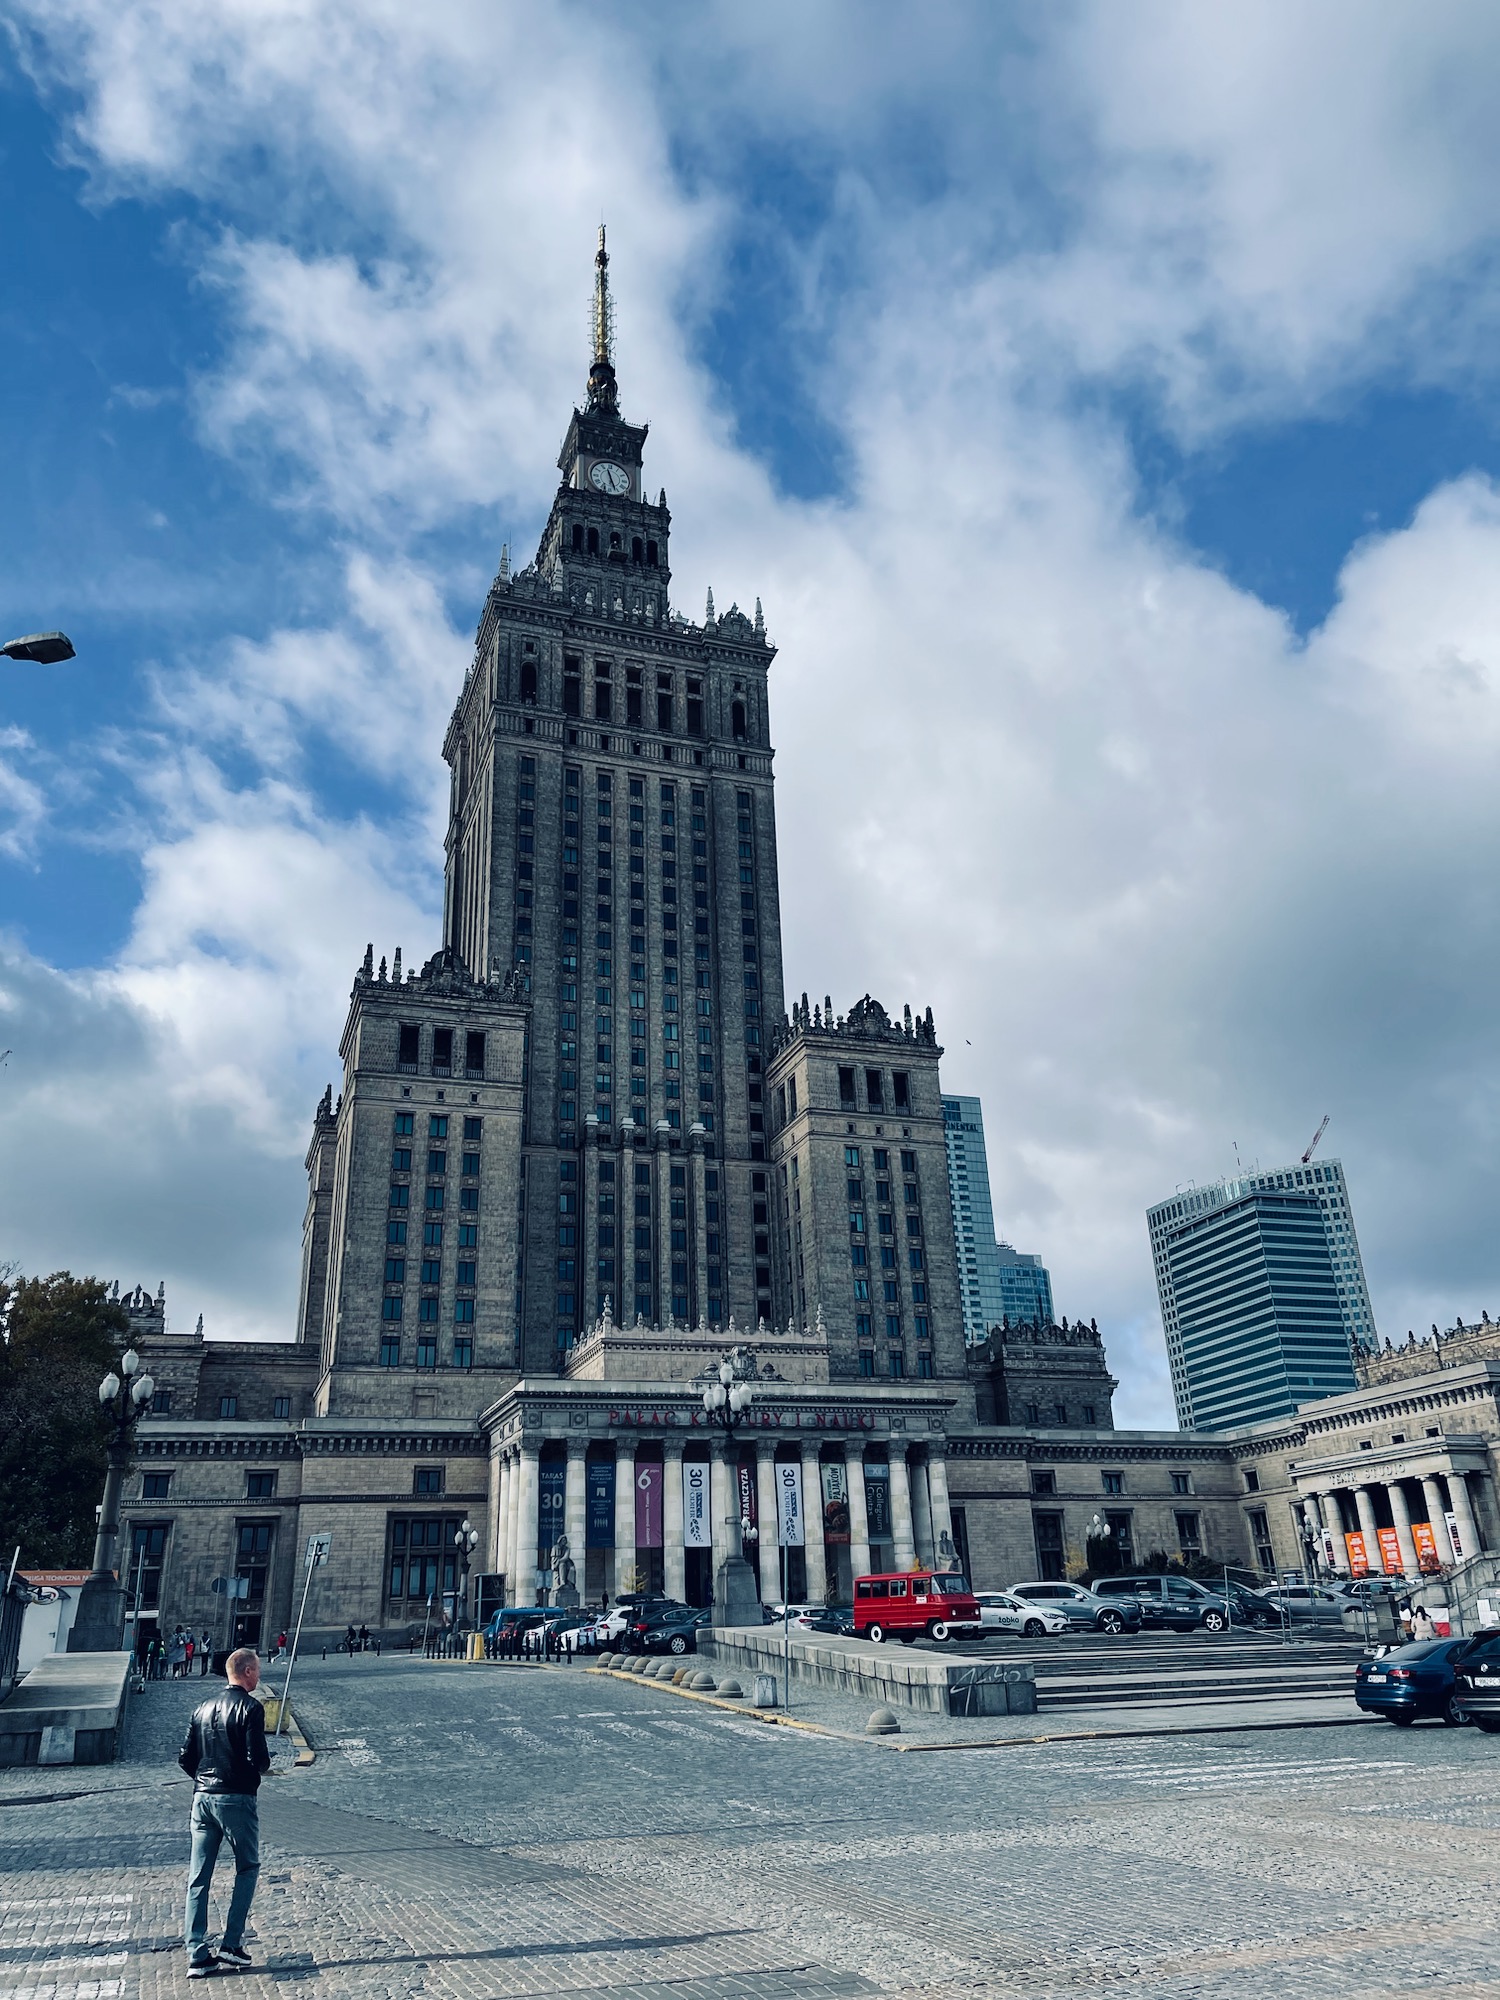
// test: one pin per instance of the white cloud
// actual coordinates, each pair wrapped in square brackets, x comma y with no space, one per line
[1168,876]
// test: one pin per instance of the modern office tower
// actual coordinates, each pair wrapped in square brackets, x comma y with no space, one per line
[996,1281]
[1025,1287]
[1263,1298]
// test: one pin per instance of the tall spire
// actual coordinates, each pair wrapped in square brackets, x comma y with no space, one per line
[603,394]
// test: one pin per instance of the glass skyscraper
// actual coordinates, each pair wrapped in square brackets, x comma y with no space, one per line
[996,1282]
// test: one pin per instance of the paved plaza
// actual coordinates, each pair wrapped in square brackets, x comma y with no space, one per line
[490,1830]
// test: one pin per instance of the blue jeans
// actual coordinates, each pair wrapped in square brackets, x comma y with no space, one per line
[217,1817]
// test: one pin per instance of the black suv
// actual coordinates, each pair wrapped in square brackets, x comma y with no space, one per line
[1476,1681]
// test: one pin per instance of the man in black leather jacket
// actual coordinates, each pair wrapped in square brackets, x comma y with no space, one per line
[225,1755]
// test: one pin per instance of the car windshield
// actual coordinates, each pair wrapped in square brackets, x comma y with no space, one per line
[951,1585]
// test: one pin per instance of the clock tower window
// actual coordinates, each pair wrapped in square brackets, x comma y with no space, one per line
[593,541]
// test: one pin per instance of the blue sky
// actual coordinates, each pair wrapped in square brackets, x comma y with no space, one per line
[1102,402]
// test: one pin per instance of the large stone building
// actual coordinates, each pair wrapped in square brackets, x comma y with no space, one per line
[586,1154]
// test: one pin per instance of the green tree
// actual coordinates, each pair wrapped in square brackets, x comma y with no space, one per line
[58,1337]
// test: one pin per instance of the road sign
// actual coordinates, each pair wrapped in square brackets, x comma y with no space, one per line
[230,1586]
[317,1549]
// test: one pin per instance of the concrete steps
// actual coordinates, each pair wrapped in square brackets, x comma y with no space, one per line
[1165,1674]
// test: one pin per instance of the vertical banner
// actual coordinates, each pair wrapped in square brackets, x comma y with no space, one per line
[648,1499]
[789,1504]
[744,1474]
[1359,1560]
[552,1492]
[1390,1550]
[1428,1560]
[878,1501]
[1457,1539]
[599,1486]
[835,1503]
[697,1531]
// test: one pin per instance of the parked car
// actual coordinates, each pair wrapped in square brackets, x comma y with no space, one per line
[676,1633]
[1084,1611]
[639,1606]
[1412,1681]
[1309,1603]
[1174,1602]
[837,1619]
[1000,1612]
[903,1605]
[1250,1607]
[1476,1680]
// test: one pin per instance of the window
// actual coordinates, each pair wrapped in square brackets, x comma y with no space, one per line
[465,1273]
[395,1270]
[404,1123]
[924,1365]
[428,1479]
[846,1098]
[901,1090]
[148,1548]
[1113,1482]
[851,1153]
[442,1053]
[1118,1528]
[1048,1532]
[463,1350]
[432,1270]
[229,1406]
[260,1485]
[395,1232]
[873,1094]
[427,1350]
[908,1162]
[407,1047]
[155,1485]
[1044,1483]
[473,1066]
[463,1311]
[400,1195]
[897,1363]
[1088,1414]
[253,1557]
[1182,1482]
[437,1126]
[867,1361]
[434,1197]
[281,1406]
[390,1350]
[432,1235]
[390,1308]
[437,1162]
[1260,1534]
[428,1310]
[472,1129]
[893,1326]
[1252,1479]
[1189,1541]
[161,1402]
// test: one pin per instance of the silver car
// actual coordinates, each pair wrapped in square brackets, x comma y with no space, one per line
[1000,1612]
[1083,1611]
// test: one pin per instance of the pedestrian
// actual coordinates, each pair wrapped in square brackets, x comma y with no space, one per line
[1422,1626]
[225,1755]
[178,1654]
[189,1647]
[205,1653]
[364,1638]
[349,1641]
[281,1642]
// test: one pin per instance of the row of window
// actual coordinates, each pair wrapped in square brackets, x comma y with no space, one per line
[441,1050]
[1044,1483]
[427,1349]
[229,1406]
[258,1485]
[895,1364]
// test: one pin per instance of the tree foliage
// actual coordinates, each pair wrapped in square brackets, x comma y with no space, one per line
[58,1337]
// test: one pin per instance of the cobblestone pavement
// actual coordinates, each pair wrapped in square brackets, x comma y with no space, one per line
[483,1831]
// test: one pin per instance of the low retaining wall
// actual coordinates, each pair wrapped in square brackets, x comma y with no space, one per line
[889,1676]
[68,1710]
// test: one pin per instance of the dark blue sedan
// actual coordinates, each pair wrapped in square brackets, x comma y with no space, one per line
[1410,1682]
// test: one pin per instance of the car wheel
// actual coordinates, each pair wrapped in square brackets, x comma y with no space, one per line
[1213,1621]
[875,1632]
[1490,1724]
[1402,1721]
[1033,1629]
[937,1630]
[677,1643]
[1453,1713]
[1112,1623]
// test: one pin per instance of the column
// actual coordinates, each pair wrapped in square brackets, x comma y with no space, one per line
[674,1556]
[500,1488]
[1468,1527]
[921,1513]
[624,1516]
[812,1525]
[942,1512]
[1333,1521]
[1367,1528]
[512,1496]
[859,1520]
[1401,1516]
[769,1521]
[576,1507]
[698,1269]
[662,1195]
[1437,1519]
[528,1489]
[724,1505]
[901,1534]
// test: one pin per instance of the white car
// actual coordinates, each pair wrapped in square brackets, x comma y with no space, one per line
[612,1625]
[1000,1612]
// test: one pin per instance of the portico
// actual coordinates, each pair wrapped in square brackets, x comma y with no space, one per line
[1406,1509]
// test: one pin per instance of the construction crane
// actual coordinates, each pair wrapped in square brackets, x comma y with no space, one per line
[1313,1147]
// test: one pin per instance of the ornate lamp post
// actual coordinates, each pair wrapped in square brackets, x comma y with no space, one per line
[727,1403]
[466,1540]
[100,1624]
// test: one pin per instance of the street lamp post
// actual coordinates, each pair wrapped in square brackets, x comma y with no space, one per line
[466,1540]
[727,1403]
[99,1626]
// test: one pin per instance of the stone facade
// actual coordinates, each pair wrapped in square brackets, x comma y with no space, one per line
[583,1157]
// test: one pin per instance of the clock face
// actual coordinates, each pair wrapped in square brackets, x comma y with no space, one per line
[609,478]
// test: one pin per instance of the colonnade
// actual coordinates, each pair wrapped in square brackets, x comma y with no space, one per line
[1325,1512]
[920,1516]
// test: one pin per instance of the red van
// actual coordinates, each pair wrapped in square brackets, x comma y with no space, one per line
[937,1602]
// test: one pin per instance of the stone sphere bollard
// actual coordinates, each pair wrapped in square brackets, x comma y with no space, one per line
[765,1691]
[639,1664]
[703,1683]
[883,1722]
[681,1675]
[731,1690]
[606,1659]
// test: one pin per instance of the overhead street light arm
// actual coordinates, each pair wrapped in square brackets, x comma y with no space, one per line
[44,649]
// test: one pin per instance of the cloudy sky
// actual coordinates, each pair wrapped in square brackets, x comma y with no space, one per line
[1101,399]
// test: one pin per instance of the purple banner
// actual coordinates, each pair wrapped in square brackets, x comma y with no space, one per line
[648,1509]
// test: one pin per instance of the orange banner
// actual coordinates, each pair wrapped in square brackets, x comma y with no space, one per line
[1428,1559]
[1359,1561]
[1390,1550]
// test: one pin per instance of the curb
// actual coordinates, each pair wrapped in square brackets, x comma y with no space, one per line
[305,1753]
[781,1721]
